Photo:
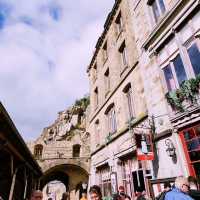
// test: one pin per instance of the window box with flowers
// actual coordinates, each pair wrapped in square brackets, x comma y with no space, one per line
[187,94]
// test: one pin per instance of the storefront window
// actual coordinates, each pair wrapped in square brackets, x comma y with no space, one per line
[126,176]
[104,181]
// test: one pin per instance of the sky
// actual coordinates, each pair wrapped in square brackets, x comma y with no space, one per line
[45,48]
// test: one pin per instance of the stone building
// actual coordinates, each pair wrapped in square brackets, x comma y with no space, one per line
[169,49]
[63,152]
[19,172]
[144,109]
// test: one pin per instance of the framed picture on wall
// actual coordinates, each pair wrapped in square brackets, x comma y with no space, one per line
[113,179]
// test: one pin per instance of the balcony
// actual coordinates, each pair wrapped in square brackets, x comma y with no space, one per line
[185,101]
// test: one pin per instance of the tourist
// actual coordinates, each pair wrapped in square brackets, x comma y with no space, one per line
[194,191]
[36,195]
[95,193]
[121,195]
[180,191]
[167,188]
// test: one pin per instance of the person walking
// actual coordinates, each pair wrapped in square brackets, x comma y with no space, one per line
[167,188]
[180,191]
[194,192]
[95,193]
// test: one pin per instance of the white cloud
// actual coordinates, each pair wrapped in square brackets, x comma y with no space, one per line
[45,47]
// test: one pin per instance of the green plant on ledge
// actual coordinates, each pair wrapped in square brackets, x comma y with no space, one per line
[187,91]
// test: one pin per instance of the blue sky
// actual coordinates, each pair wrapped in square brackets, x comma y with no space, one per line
[45,47]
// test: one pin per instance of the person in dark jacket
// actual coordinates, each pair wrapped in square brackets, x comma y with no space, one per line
[167,188]
[194,192]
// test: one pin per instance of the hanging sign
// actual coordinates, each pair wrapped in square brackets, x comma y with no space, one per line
[144,147]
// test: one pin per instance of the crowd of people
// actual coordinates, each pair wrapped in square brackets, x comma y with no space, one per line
[182,189]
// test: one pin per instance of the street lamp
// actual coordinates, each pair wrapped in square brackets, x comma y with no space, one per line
[170,148]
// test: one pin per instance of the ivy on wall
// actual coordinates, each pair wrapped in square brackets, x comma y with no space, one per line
[188,91]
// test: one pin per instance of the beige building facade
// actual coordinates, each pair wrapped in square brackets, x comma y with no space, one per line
[144,88]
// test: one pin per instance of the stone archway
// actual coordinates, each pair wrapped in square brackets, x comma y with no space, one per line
[70,174]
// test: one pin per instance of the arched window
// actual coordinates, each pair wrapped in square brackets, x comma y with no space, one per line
[111,119]
[76,150]
[38,151]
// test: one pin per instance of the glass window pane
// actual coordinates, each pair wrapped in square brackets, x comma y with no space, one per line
[194,55]
[193,144]
[194,155]
[162,6]
[189,134]
[180,70]
[169,78]
[155,11]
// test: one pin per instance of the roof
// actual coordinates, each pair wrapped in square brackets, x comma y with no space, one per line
[14,138]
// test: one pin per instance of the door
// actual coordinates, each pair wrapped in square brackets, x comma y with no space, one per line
[190,138]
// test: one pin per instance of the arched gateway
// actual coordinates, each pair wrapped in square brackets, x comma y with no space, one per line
[71,172]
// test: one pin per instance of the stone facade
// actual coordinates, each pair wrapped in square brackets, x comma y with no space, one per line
[128,85]
[63,150]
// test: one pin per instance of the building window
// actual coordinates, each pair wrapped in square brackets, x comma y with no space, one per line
[158,8]
[105,51]
[94,74]
[129,100]
[194,55]
[38,151]
[104,180]
[96,97]
[97,132]
[175,71]
[111,119]
[123,52]
[127,166]
[76,150]
[119,23]
[107,82]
